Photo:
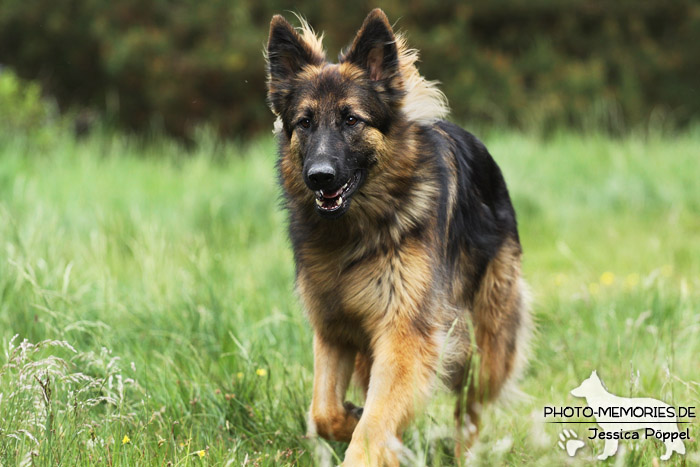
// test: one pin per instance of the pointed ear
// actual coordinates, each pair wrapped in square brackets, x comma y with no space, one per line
[374,49]
[287,54]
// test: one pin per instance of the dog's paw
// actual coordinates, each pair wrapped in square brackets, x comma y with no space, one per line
[569,442]
[352,409]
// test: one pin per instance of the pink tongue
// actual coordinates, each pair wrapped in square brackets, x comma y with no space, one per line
[335,194]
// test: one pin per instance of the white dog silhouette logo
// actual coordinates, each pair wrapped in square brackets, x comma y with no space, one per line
[617,416]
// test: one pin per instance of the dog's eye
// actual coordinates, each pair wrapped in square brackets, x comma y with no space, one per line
[350,120]
[305,122]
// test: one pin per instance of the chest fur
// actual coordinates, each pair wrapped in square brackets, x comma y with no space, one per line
[351,295]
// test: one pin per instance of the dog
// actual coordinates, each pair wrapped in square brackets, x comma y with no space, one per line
[597,397]
[404,237]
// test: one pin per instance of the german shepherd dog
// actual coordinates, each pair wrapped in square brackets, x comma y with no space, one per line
[404,236]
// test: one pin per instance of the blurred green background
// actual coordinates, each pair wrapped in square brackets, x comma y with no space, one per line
[530,64]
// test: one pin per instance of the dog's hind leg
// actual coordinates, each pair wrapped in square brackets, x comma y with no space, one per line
[329,416]
[502,323]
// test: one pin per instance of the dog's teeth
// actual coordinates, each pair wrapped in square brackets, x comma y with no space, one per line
[319,202]
[339,201]
[346,185]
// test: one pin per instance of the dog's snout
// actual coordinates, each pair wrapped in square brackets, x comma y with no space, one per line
[321,175]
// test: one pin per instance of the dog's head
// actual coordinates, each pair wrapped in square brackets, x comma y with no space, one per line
[334,117]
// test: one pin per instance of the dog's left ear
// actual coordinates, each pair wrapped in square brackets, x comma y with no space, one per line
[374,50]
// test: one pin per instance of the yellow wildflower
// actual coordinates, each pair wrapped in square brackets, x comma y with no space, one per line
[261,372]
[607,278]
[126,439]
[201,453]
[239,375]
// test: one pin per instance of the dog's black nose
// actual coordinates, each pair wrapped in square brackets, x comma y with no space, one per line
[321,175]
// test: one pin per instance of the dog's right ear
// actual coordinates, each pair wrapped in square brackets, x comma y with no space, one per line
[287,54]
[374,48]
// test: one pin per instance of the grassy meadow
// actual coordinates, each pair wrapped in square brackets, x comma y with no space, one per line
[148,317]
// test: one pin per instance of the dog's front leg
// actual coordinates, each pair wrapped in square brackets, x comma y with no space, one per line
[400,379]
[333,367]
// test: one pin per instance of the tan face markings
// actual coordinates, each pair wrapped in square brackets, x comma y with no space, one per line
[351,72]
[307,108]
[353,106]
[323,102]
[310,73]
[326,110]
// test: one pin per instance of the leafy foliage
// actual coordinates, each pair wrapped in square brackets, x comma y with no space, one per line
[534,64]
[21,105]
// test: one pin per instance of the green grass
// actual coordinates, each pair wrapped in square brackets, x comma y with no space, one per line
[154,288]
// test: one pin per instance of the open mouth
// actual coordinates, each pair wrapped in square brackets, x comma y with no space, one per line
[337,201]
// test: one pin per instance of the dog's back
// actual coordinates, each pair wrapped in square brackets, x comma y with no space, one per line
[482,256]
